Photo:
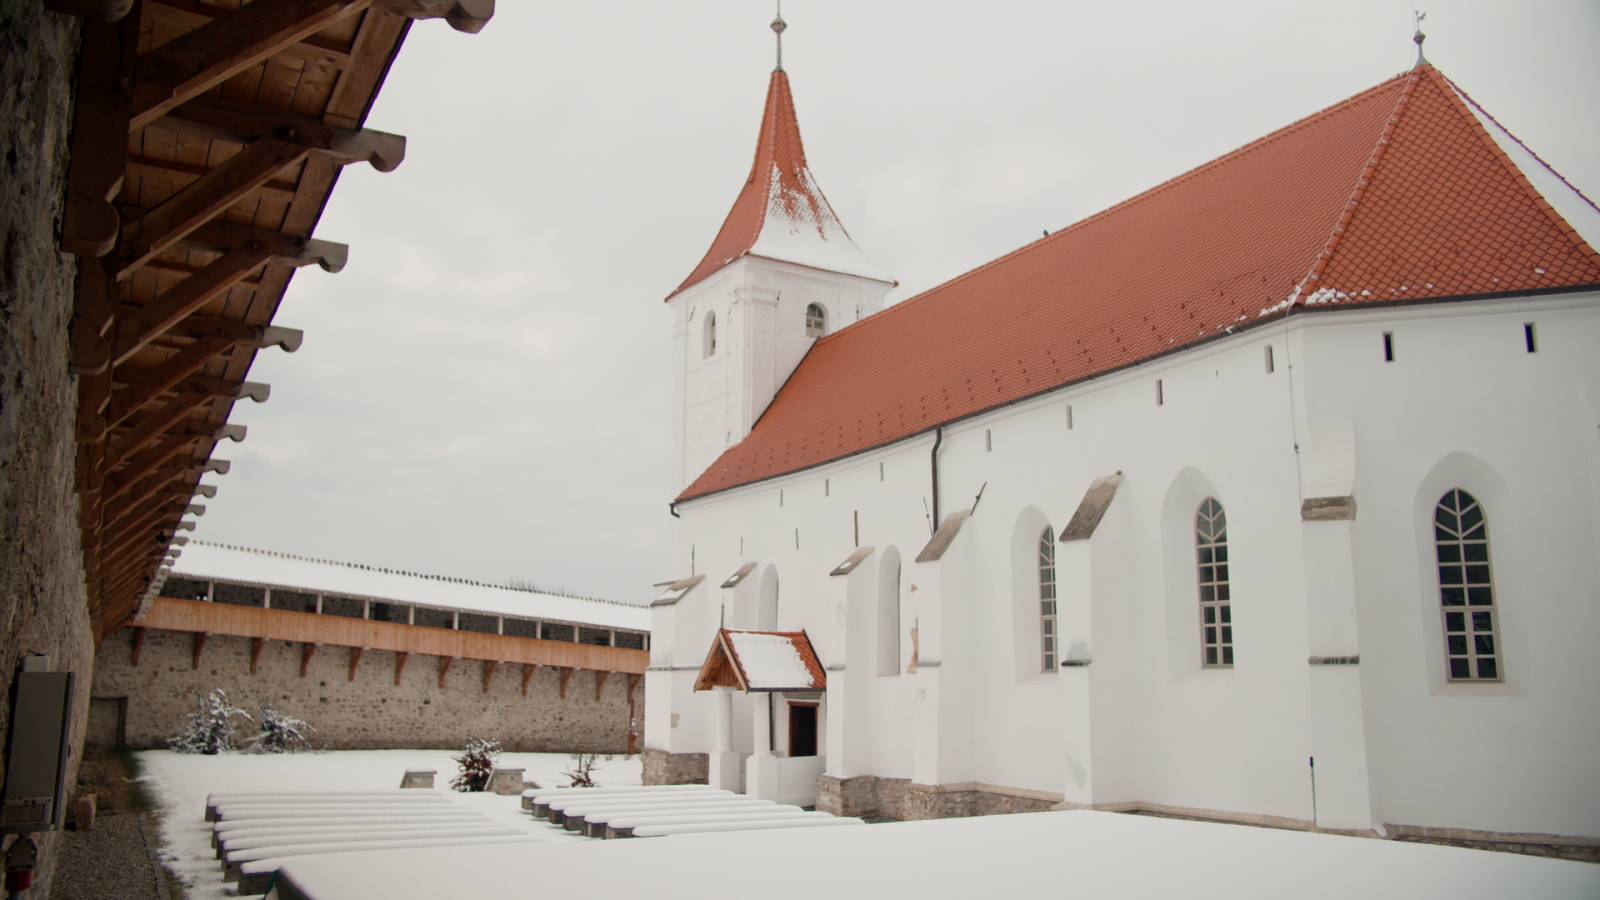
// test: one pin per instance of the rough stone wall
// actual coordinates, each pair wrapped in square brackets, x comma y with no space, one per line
[42,600]
[661,767]
[370,712]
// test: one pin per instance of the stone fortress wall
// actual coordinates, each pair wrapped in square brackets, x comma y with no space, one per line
[148,702]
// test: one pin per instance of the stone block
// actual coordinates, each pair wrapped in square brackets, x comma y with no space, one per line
[418,778]
[661,767]
[506,782]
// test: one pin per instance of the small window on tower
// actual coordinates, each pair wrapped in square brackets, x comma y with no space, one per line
[709,343]
[816,321]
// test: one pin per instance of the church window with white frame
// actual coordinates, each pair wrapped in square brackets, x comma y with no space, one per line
[1466,589]
[1047,599]
[816,320]
[1216,613]
[708,342]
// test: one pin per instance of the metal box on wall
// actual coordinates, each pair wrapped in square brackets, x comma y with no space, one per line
[36,765]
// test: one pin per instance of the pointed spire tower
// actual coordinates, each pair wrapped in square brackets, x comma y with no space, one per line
[781,273]
[781,213]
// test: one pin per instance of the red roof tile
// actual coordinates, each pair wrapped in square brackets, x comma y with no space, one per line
[780,212]
[1398,192]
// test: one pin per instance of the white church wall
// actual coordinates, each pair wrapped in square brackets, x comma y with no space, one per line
[1332,414]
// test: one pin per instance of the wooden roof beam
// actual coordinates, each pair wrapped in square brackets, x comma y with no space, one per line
[206,196]
[315,48]
[125,403]
[145,385]
[222,118]
[173,412]
[244,333]
[463,15]
[89,223]
[220,236]
[194,63]
[137,329]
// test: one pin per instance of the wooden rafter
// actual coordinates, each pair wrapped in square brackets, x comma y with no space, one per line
[255,652]
[306,650]
[400,659]
[445,662]
[489,665]
[205,143]
[527,675]
[600,683]
[199,645]
[355,660]
[566,675]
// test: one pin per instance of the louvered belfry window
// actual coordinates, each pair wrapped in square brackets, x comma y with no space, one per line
[816,321]
[1466,589]
[1047,598]
[1216,613]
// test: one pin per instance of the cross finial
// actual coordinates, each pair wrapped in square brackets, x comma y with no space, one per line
[778,26]
[1419,37]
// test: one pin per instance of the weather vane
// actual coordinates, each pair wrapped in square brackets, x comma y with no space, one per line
[1419,37]
[778,25]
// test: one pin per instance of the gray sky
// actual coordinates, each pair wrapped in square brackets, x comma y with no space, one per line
[482,391]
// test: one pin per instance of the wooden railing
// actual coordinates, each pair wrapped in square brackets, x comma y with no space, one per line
[286,625]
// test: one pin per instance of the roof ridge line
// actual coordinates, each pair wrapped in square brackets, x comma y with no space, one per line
[1462,99]
[387,571]
[1357,194]
[1147,193]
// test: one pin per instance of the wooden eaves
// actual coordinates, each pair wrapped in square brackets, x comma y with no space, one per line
[207,138]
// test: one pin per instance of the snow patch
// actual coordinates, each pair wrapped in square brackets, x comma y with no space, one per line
[801,228]
[770,661]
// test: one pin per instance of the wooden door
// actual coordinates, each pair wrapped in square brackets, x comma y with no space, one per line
[802,730]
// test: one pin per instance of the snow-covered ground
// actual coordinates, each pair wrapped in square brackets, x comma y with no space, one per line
[180,782]
[1078,854]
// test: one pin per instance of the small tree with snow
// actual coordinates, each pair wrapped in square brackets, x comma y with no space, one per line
[209,728]
[477,764]
[280,732]
[582,772]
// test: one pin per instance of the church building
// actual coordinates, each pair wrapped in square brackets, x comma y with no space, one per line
[1016,543]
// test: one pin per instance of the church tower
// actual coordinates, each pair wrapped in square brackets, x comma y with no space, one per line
[781,274]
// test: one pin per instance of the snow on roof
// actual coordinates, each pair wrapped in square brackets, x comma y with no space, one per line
[780,212]
[205,561]
[773,661]
[1398,193]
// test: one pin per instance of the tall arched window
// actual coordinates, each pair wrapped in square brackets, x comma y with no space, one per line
[1466,588]
[816,320]
[708,342]
[1047,598]
[1216,618]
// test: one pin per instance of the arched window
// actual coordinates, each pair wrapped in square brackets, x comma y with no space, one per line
[1216,619]
[1466,588]
[708,342]
[816,320]
[1047,598]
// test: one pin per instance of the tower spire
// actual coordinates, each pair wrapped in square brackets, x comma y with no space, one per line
[778,27]
[1419,37]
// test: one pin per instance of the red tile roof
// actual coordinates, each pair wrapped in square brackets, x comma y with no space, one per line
[1396,193]
[781,206]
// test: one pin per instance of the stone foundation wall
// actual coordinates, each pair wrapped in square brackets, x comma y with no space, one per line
[661,767]
[42,599]
[371,711]
[898,798]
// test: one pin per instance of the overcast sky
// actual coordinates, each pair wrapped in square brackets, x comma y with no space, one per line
[483,391]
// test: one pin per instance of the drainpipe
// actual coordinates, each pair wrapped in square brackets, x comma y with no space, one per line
[938,438]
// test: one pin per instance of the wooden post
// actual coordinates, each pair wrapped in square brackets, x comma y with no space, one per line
[255,652]
[199,644]
[566,675]
[489,665]
[600,682]
[445,662]
[138,644]
[527,673]
[306,650]
[355,660]
[400,665]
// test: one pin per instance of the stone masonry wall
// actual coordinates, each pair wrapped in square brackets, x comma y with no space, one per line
[370,712]
[661,767]
[42,600]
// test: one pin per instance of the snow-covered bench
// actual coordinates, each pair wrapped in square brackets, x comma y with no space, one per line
[252,849]
[623,826]
[531,798]
[254,876]
[558,808]
[591,819]
[320,797]
[705,827]
[230,840]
